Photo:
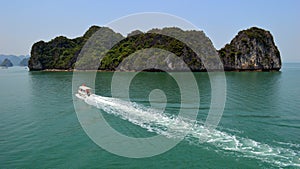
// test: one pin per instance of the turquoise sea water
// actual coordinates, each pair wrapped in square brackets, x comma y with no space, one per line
[260,126]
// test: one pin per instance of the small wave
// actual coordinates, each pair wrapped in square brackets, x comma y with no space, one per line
[231,130]
[258,116]
[292,145]
[193,131]
[283,125]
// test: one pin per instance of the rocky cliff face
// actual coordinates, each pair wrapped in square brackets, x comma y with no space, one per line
[251,49]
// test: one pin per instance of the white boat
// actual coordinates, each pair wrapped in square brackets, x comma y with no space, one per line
[83,92]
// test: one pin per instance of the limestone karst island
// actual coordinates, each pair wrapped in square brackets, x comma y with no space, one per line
[253,49]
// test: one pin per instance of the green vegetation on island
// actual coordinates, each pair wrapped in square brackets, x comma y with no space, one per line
[251,49]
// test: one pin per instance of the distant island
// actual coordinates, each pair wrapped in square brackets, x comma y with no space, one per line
[21,60]
[6,63]
[24,62]
[250,50]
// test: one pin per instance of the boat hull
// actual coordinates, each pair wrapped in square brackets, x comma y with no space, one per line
[79,96]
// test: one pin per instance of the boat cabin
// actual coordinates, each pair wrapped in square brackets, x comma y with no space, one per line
[84,91]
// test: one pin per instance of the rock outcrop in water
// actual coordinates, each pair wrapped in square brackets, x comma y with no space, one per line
[252,49]
[6,63]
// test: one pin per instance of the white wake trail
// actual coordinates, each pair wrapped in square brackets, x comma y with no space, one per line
[175,127]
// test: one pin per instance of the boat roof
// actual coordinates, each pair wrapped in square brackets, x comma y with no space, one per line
[84,87]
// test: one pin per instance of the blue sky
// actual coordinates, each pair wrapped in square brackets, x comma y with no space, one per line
[24,22]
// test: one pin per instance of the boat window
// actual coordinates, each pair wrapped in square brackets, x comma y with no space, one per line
[88,92]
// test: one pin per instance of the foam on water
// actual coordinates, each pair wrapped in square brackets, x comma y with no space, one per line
[175,127]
